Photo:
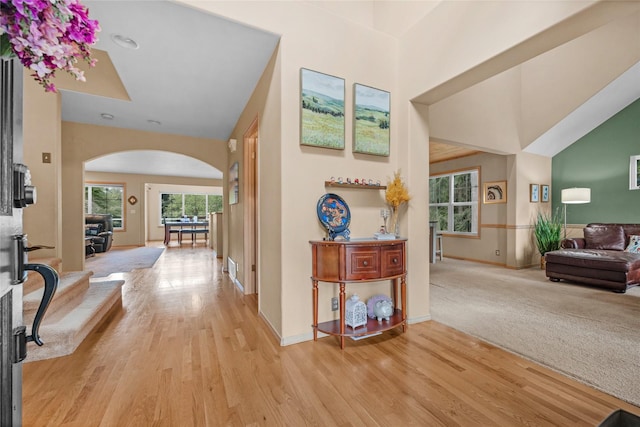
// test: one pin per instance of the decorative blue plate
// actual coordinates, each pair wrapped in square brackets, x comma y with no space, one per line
[335,216]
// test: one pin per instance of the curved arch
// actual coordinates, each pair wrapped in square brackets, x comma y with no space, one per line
[153,162]
[82,142]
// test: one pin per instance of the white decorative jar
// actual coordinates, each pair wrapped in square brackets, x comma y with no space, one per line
[355,312]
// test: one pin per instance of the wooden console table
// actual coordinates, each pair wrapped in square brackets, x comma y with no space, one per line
[358,261]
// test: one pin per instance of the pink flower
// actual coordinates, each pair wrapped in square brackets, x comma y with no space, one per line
[49,35]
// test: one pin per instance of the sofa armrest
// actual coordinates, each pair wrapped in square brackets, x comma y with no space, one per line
[574,243]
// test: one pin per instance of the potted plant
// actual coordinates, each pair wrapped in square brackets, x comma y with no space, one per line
[547,230]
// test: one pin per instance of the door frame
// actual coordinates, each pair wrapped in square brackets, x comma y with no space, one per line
[250,153]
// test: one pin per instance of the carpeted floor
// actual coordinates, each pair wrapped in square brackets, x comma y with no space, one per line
[122,260]
[589,334]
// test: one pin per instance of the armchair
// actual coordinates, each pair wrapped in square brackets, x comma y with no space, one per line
[99,227]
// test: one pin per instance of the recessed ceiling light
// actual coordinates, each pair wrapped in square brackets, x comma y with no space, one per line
[107,116]
[154,122]
[124,42]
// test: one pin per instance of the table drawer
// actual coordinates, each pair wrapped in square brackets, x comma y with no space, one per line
[392,260]
[362,263]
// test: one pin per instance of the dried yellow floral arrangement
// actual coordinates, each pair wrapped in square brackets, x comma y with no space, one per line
[396,195]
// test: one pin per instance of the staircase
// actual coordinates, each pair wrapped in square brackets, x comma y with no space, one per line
[79,306]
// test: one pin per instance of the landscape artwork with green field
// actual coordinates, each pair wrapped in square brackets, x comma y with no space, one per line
[322,116]
[371,128]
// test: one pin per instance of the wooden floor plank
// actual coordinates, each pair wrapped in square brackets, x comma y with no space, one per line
[188,349]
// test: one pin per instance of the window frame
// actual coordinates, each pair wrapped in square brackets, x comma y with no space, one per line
[123,207]
[452,204]
[184,194]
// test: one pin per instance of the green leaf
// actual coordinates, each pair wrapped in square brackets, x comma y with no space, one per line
[5,47]
[547,230]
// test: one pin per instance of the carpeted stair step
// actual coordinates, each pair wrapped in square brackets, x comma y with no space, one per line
[34,280]
[71,286]
[64,330]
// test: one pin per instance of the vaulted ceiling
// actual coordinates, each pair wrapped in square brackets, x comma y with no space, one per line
[192,74]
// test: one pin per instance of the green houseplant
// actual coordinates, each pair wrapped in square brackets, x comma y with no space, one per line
[547,230]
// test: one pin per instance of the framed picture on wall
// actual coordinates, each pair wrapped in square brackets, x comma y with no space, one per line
[322,110]
[544,197]
[534,193]
[634,173]
[495,192]
[234,184]
[371,120]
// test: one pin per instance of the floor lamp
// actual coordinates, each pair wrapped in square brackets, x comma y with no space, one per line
[574,196]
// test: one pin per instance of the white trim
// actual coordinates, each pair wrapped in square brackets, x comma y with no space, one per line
[419,319]
[633,173]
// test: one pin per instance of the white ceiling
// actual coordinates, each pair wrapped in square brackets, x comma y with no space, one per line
[149,162]
[193,72]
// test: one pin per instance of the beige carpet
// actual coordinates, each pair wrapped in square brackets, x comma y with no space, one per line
[120,260]
[589,334]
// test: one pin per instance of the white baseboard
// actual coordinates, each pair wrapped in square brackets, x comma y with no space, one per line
[420,319]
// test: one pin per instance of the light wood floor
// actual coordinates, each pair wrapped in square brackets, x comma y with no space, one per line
[188,348]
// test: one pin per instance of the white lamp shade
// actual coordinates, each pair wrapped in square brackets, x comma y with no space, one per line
[575,196]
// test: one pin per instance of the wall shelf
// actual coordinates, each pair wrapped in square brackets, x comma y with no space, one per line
[364,187]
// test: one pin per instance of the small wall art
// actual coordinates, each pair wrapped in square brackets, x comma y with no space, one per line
[634,173]
[234,184]
[495,192]
[534,193]
[544,190]
[322,110]
[371,120]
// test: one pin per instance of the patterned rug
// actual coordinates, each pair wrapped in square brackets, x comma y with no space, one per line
[122,260]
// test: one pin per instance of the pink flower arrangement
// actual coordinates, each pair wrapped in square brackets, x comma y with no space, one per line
[47,35]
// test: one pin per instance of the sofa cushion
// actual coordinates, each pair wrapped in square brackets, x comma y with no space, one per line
[607,237]
[595,259]
[631,230]
[92,229]
[634,245]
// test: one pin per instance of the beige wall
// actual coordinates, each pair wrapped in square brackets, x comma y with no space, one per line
[492,217]
[357,54]
[82,142]
[142,220]
[506,227]
[42,134]
[507,112]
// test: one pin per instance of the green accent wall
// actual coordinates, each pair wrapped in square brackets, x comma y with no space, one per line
[600,161]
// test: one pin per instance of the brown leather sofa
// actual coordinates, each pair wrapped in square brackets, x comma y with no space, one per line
[598,258]
[99,227]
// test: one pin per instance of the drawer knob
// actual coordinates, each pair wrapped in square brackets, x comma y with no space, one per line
[365,263]
[395,260]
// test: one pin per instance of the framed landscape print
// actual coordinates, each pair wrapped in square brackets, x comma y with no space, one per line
[534,193]
[322,112]
[495,192]
[634,173]
[234,184]
[371,121]
[544,196]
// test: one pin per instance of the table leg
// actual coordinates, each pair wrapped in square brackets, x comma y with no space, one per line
[396,301]
[403,295]
[314,292]
[342,307]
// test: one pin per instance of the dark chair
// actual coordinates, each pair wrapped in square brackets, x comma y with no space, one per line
[100,228]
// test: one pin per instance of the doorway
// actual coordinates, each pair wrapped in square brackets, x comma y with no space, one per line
[250,141]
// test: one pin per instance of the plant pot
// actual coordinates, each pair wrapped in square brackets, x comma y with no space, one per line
[543,262]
